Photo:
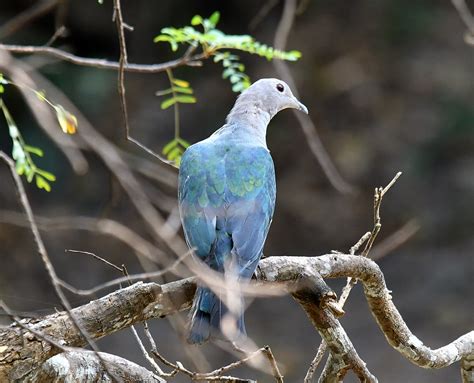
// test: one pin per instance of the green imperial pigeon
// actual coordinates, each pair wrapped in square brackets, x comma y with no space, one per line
[227,198]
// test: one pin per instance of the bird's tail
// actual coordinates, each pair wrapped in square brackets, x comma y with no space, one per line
[207,314]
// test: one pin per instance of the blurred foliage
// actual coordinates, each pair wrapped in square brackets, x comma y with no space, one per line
[21,152]
[213,40]
[181,93]
[214,43]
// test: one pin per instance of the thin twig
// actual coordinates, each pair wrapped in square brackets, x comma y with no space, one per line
[115,229]
[267,351]
[262,13]
[145,353]
[123,61]
[27,16]
[378,196]
[194,60]
[95,256]
[128,278]
[305,122]
[45,258]
[466,17]
[368,238]
[60,32]
[315,362]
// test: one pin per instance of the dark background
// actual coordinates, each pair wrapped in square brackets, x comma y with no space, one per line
[389,85]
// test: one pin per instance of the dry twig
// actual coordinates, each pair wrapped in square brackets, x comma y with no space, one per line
[306,124]
[45,258]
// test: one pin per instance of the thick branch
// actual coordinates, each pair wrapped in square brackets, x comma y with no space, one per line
[380,302]
[84,366]
[143,301]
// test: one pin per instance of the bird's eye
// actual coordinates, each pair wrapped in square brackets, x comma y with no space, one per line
[280,87]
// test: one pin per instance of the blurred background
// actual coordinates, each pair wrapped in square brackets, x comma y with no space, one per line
[389,86]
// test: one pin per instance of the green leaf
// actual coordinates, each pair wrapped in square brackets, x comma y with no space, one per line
[228,72]
[180,89]
[186,99]
[173,44]
[238,87]
[41,183]
[49,176]
[34,150]
[174,154]
[18,153]
[293,55]
[214,19]
[185,144]
[170,145]
[2,88]
[29,174]
[234,78]
[168,102]
[20,168]
[164,92]
[181,83]
[196,20]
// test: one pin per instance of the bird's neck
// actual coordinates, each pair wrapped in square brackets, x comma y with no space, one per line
[249,120]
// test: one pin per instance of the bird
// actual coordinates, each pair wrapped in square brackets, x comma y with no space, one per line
[226,196]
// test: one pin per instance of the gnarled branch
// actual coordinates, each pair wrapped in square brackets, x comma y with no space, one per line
[143,301]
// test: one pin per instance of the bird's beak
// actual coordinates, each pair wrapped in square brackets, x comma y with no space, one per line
[300,106]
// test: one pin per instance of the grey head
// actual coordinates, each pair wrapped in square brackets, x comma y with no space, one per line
[263,100]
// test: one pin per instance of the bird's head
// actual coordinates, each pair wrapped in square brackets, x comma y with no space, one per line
[273,95]
[262,100]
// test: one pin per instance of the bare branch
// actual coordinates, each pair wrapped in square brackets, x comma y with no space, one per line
[103,63]
[82,366]
[45,258]
[380,302]
[467,18]
[304,120]
[143,301]
[39,9]
[315,362]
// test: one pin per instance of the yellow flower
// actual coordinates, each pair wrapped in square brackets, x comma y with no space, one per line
[67,121]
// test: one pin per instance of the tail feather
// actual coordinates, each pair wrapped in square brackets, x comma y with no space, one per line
[206,316]
[200,328]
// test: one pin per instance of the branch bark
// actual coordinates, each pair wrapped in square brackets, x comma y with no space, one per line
[84,366]
[22,353]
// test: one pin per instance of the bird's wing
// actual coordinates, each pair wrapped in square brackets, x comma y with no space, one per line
[200,196]
[227,198]
[251,181]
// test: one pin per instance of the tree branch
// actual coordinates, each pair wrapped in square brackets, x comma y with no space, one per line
[83,365]
[37,10]
[193,60]
[143,301]
[305,122]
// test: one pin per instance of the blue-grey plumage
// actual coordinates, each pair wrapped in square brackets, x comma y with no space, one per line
[227,197]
